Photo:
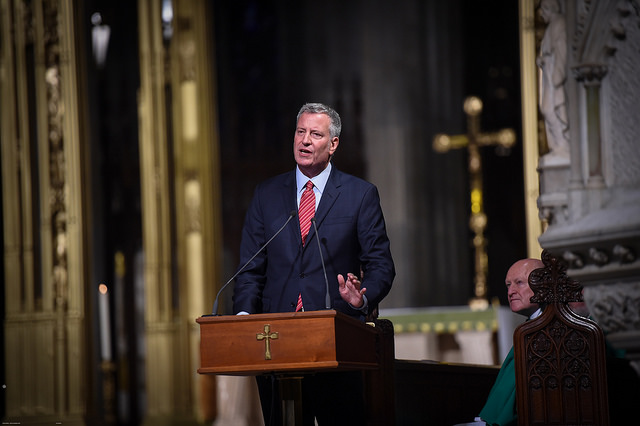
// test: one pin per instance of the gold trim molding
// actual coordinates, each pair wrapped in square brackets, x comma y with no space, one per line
[530,138]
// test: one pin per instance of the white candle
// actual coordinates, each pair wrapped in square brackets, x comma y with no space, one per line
[105,326]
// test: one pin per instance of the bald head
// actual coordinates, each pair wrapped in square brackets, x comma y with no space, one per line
[518,290]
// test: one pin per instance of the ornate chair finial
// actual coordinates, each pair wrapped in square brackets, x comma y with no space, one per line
[551,283]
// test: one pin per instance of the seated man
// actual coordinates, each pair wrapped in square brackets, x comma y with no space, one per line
[500,408]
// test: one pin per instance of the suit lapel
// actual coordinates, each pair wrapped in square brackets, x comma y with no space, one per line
[289,203]
[329,197]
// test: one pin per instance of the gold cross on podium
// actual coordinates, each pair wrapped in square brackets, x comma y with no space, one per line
[267,336]
[473,140]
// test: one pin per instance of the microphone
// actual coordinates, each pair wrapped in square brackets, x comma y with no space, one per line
[214,311]
[327,297]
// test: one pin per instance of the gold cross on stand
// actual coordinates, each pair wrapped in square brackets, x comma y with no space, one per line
[267,336]
[473,140]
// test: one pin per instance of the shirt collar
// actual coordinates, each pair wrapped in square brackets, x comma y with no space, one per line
[536,314]
[319,181]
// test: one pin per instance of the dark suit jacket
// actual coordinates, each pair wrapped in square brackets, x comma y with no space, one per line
[352,236]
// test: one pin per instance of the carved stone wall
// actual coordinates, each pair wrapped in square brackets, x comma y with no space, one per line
[591,201]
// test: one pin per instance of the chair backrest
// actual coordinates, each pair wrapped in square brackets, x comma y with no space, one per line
[560,362]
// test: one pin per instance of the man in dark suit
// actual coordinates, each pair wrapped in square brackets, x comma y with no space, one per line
[288,275]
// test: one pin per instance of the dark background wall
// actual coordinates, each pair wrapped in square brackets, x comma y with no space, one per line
[403,69]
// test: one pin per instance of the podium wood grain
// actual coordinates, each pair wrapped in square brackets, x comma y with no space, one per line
[305,342]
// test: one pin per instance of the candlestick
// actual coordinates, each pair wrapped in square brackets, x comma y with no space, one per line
[105,326]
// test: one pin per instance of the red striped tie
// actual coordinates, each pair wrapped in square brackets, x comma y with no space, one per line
[306,211]
[299,305]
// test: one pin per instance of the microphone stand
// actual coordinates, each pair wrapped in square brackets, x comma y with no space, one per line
[214,311]
[327,297]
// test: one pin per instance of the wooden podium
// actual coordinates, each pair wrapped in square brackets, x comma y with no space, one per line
[295,343]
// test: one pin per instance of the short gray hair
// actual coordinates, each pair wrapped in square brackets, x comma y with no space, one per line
[335,127]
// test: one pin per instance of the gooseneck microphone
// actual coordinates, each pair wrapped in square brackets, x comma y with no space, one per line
[327,297]
[214,311]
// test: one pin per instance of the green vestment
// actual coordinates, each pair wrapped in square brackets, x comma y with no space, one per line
[500,408]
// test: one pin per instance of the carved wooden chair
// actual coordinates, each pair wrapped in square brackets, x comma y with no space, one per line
[560,363]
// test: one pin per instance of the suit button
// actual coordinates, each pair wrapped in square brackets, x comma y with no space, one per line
[302,275]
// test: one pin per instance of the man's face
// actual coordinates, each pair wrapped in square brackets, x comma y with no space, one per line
[312,143]
[518,290]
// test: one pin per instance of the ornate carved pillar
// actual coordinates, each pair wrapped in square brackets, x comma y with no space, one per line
[591,75]
[197,166]
[44,212]
[181,206]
